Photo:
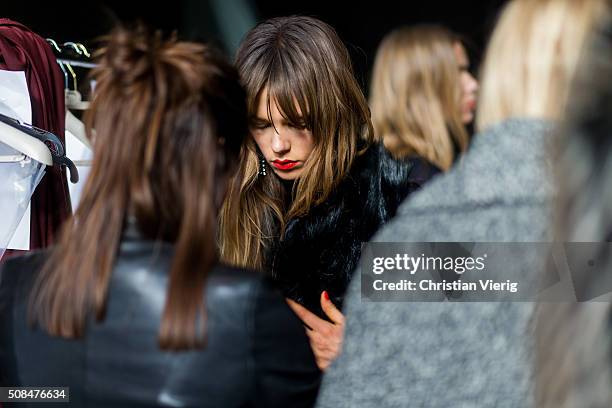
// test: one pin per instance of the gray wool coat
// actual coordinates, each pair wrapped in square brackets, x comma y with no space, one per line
[453,354]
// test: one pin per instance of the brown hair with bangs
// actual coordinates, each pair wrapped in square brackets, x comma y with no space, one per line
[301,63]
[169,117]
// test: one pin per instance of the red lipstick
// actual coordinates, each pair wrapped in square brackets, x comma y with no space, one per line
[470,104]
[284,164]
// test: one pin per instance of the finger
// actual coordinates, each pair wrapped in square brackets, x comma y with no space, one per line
[330,309]
[323,355]
[322,364]
[324,345]
[313,321]
[324,349]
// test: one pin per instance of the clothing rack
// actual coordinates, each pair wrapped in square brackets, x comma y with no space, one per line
[73,59]
[76,63]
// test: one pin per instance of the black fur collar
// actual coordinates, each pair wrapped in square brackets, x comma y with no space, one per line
[320,250]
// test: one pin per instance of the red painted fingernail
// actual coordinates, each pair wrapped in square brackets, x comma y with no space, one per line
[325,295]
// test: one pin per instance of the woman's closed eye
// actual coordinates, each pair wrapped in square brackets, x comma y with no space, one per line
[257,125]
[465,69]
[260,124]
[297,126]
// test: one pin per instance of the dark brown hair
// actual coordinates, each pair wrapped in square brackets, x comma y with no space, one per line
[302,64]
[169,118]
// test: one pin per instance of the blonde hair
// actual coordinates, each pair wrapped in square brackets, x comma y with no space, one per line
[531,58]
[415,94]
[574,339]
[298,60]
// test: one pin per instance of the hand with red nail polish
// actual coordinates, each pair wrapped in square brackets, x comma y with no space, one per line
[325,337]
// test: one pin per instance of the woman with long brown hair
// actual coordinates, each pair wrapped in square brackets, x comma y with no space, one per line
[131,306]
[423,95]
[313,184]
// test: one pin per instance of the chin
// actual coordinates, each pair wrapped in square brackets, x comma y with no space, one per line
[287,176]
[467,118]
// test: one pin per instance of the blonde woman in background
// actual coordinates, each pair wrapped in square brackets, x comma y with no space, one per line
[547,37]
[574,340]
[475,353]
[422,94]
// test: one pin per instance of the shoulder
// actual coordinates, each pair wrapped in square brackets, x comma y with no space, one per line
[393,179]
[278,334]
[500,190]
[509,163]
[253,292]
[265,303]
[232,284]
[19,271]
[31,261]
[412,170]
[17,276]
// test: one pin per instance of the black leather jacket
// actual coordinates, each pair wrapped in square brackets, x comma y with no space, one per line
[257,353]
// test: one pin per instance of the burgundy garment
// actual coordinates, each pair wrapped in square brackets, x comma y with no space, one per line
[23,50]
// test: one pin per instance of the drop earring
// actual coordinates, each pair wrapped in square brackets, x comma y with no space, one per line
[263,169]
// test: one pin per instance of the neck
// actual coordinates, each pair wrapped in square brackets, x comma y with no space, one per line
[287,184]
[288,188]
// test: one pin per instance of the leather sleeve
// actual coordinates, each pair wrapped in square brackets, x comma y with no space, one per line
[7,284]
[16,278]
[285,372]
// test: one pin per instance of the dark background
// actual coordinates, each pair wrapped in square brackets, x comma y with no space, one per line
[361,24]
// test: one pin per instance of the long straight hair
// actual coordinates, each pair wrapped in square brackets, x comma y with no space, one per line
[415,94]
[305,67]
[169,117]
[531,58]
[574,339]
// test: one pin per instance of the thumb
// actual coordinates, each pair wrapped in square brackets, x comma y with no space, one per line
[330,309]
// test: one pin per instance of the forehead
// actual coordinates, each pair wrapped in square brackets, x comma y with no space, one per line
[268,106]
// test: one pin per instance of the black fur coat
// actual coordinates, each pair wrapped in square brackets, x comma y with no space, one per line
[320,251]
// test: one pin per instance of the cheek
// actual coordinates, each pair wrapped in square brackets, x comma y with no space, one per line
[307,142]
[260,140]
[308,138]
[465,84]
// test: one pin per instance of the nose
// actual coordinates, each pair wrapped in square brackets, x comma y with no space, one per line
[473,83]
[280,142]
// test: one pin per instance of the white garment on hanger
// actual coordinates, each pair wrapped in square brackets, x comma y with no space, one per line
[14,94]
[81,155]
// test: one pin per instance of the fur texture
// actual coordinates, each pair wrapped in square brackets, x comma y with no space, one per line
[320,251]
